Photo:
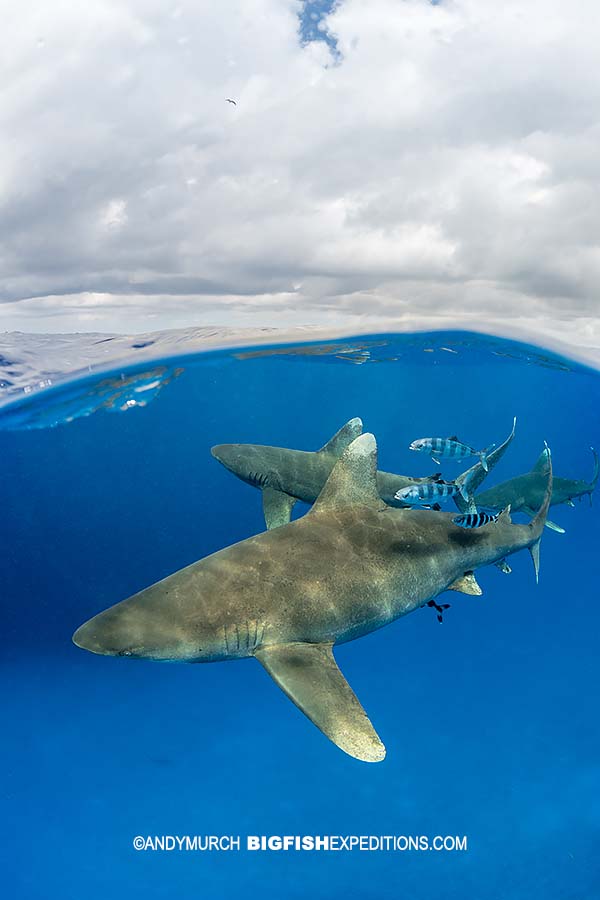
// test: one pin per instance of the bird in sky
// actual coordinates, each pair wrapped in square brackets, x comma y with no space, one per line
[230,101]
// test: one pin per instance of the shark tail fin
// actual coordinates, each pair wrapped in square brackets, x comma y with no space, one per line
[463,483]
[539,520]
[477,474]
[535,556]
[343,438]
[484,455]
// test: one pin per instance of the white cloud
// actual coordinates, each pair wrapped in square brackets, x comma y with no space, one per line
[448,163]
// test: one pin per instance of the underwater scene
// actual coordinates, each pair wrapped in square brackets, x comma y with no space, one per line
[385,550]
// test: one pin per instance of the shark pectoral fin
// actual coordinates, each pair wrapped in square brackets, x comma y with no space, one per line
[343,438]
[466,584]
[551,525]
[554,527]
[310,677]
[277,507]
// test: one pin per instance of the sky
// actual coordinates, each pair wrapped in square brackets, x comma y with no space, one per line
[389,158]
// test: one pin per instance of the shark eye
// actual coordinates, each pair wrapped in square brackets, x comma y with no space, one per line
[124,652]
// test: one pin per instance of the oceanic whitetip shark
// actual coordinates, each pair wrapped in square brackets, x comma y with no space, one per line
[285,476]
[351,565]
[525,492]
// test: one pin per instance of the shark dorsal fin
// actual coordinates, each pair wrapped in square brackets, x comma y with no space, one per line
[504,516]
[542,463]
[353,479]
[343,438]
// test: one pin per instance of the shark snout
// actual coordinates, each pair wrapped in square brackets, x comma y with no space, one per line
[98,636]
[227,454]
[122,630]
[86,638]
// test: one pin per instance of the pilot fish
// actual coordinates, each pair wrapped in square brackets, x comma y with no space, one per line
[429,493]
[477,520]
[450,448]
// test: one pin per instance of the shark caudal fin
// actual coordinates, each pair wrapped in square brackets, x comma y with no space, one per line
[464,485]
[477,474]
[483,456]
[539,520]
[343,438]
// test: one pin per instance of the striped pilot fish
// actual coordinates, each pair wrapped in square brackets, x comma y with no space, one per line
[450,448]
[478,519]
[429,493]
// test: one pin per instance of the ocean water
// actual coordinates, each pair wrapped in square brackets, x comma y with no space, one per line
[490,719]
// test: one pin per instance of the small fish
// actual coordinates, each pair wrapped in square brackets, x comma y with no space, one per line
[450,448]
[429,492]
[476,520]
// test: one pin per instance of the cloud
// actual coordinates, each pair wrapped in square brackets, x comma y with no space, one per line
[422,158]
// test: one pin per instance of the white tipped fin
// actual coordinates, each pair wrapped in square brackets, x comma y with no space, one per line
[277,507]
[343,438]
[554,527]
[542,463]
[535,555]
[504,516]
[310,677]
[467,584]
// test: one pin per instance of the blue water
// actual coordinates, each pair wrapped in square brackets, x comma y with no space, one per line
[490,720]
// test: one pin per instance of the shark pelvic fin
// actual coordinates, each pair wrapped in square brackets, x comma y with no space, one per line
[353,479]
[466,584]
[310,677]
[535,555]
[277,507]
[343,438]
[554,527]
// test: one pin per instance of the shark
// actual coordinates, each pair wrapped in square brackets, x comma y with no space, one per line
[285,476]
[525,492]
[287,596]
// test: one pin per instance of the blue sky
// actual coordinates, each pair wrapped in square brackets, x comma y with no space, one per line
[313,26]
